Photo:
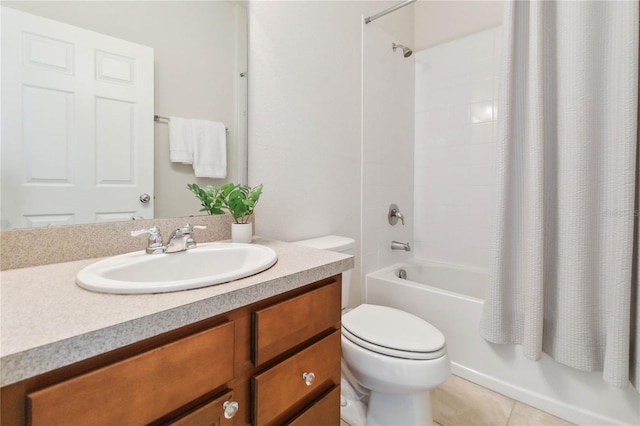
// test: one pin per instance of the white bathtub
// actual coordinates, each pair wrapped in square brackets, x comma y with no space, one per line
[451,297]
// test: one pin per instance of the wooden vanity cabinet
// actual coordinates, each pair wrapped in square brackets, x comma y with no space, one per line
[254,356]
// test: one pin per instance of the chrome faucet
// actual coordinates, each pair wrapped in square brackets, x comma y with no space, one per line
[394,215]
[154,244]
[396,245]
[181,239]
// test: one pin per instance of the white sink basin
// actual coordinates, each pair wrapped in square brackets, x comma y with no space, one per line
[206,265]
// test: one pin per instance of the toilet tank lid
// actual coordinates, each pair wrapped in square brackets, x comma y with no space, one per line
[329,242]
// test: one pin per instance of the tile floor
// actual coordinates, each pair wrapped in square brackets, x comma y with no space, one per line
[458,402]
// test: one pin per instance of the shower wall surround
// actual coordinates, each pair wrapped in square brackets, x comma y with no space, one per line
[387,149]
[455,113]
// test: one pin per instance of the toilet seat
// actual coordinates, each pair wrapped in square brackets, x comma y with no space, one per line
[393,332]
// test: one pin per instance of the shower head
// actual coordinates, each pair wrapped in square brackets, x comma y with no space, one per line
[406,52]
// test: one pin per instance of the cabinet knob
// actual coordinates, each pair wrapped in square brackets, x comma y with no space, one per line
[230,409]
[308,378]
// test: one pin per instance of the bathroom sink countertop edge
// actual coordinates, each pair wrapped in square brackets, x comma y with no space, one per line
[48,322]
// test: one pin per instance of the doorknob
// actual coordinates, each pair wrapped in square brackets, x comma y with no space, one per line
[145,198]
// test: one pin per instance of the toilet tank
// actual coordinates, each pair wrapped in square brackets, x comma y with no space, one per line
[340,244]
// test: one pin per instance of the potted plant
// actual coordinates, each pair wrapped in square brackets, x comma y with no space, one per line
[239,200]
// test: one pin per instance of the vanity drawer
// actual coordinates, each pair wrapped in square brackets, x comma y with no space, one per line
[209,414]
[284,325]
[325,411]
[142,388]
[281,391]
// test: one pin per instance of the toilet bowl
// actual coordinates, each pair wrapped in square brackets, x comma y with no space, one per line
[391,359]
[399,358]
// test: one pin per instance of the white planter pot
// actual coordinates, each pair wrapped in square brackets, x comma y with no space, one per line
[241,232]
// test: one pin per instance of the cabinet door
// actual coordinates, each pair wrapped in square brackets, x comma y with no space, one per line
[140,389]
[286,389]
[211,413]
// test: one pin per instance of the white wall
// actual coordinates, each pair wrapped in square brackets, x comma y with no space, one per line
[440,21]
[305,132]
[304,126]
[455,110]
[195,72]
[304,118]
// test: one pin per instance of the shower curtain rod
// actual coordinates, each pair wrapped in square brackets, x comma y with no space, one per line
[387,11]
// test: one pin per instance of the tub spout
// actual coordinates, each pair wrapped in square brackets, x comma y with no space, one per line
[396,245]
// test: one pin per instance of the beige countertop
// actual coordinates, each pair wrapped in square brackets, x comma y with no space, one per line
[48,322]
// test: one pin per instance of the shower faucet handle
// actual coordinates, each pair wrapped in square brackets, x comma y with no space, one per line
[394,215]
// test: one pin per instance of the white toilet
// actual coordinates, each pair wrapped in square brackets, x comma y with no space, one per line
[391,359]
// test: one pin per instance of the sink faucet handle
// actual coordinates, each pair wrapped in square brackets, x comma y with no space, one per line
[187,231]
[154,244]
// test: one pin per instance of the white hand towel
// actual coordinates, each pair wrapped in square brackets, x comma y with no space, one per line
[209,149]
[181,140]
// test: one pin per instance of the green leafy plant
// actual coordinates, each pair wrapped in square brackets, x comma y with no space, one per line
[239,200]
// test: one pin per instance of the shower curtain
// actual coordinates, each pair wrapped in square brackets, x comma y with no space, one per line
[564,275]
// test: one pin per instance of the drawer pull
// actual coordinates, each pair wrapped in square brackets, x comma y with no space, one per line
[309,378]
[230,409]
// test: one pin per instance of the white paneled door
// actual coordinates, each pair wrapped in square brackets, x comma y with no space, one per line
[77,125]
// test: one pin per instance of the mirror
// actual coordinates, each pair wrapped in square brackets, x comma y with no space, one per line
[199,67]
